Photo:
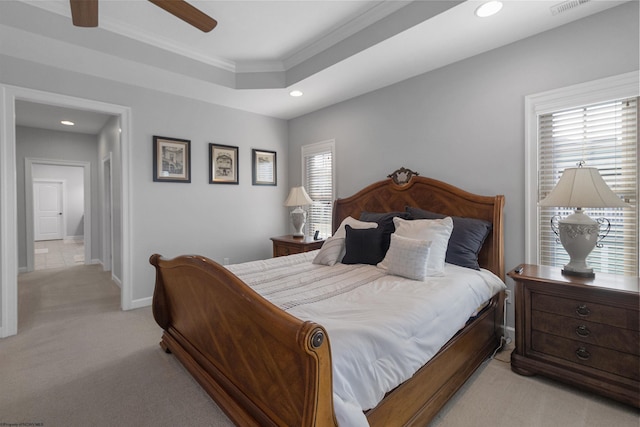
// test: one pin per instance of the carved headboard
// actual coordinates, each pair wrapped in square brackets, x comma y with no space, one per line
[406,188]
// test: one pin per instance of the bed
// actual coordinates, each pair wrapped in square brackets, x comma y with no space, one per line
[265,366]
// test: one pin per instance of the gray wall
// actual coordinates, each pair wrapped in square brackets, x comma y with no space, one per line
[214,220]
[54,145]
[73,177]
[464,123]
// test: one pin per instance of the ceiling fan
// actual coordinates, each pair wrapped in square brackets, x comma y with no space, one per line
[84,13]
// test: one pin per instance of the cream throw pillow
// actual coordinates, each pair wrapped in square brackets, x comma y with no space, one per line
[407,257]
[436,231]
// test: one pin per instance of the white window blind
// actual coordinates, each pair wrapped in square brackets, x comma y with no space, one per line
[605,136]
[318,173]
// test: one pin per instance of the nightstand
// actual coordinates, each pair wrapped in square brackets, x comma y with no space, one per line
[581,331]
[289,245]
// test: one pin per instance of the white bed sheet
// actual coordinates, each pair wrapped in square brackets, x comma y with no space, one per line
[380,331]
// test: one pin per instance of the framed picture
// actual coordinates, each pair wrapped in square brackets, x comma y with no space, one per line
[223,164]
[264,167]
[171,159]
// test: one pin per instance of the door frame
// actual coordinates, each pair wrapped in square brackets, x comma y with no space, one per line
[28,188]
[107,206]
[8,194]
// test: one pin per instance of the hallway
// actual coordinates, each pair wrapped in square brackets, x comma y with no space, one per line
[58,253]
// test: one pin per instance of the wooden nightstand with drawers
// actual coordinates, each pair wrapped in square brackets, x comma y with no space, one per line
[584,332]
[289,245]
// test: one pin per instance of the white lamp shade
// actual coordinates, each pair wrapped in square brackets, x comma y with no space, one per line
[298,197]
[582,187]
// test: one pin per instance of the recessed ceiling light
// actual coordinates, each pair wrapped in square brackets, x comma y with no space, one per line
[67,123]
[488,9]
[296,93]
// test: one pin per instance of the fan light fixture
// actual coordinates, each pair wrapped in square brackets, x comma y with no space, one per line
[581,187]
[298,197]
[488,9]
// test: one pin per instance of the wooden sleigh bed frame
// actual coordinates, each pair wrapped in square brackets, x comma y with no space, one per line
[265,367]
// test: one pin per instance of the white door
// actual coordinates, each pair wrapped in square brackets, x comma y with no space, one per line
[47,203]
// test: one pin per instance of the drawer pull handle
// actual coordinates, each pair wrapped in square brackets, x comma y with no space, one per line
[582,331]
[583,354]
[583,310]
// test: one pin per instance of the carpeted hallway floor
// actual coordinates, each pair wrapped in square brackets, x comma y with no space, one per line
[78,360]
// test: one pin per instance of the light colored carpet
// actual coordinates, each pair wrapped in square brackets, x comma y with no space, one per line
[80,361]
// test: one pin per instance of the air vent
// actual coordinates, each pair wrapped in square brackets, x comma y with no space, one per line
[569,4]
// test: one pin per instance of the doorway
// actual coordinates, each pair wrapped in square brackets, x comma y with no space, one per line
[107,222]
[59,216]
[30,210]
[8,193]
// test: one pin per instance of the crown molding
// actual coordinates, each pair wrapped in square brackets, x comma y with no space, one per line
[372,15]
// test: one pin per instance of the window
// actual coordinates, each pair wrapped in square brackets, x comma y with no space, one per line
[318,162]
[565,130]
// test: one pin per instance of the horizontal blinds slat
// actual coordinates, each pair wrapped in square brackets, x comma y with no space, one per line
[604,136]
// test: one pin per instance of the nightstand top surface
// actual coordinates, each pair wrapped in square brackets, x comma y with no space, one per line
[289,238]
[544,273]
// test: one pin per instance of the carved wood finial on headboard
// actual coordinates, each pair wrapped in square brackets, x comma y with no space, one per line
[402,176]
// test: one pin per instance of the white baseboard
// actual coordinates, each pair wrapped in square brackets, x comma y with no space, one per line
[142,302]
[511,333]
[21,270]
[117,280]
[73,239]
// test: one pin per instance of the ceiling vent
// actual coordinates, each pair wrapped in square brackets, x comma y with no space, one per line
[569,4]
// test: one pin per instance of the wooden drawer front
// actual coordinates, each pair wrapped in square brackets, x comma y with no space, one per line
[284,250]
[600,334]
[585,310]
[615,362]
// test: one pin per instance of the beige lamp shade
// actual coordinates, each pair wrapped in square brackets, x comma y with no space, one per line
[298,197]
[582,187]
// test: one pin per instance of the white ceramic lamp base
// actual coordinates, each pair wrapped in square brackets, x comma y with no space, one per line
[298,219]
[579,235]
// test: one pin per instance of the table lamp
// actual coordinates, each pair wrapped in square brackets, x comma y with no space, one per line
[298,197]
[580,187]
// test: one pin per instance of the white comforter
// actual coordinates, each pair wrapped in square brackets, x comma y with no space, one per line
[381,328]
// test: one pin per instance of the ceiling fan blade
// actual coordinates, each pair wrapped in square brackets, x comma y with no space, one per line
[84,13]
[187,13]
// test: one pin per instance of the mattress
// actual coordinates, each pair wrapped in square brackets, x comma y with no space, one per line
[382,328]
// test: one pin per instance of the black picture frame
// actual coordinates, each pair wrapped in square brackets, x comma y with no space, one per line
[171,159]
[223,164]
[264,167]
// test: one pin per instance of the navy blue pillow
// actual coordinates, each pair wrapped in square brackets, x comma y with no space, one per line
[385,222]
[466,239]
[363,246]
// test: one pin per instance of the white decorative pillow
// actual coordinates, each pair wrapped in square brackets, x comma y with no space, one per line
[437,231]
[333,249]
[330,251]
[408,257]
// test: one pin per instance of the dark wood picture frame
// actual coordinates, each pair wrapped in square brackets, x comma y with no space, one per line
[264,167]
[223,164]
[171,159]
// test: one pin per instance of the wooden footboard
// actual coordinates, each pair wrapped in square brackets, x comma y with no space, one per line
[263,366]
